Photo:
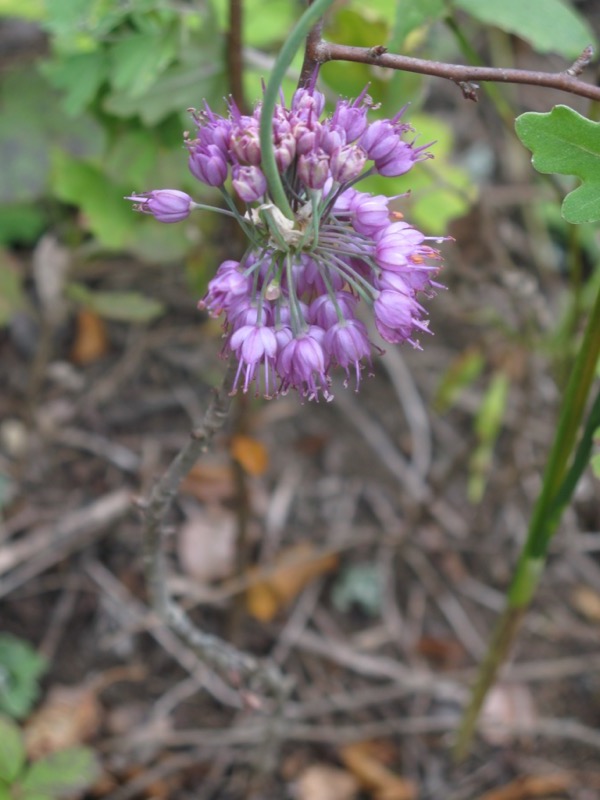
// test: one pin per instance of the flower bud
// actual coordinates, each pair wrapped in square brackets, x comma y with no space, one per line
[249,183]
[208,164]
[166,205]
[313,169]
[347,162]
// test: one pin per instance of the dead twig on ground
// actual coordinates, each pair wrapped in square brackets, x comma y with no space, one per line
[242,670]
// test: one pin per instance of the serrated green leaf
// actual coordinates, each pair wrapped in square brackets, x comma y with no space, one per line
[80,24]
[119,306]
[180,86]
[550,26]
[79,77]
[198,74]
[65,771]
[12,750]
[83,185]
[138,60]
[564,142]
[20,668]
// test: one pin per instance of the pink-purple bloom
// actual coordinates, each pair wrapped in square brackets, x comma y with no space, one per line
[167,205]
[291,304]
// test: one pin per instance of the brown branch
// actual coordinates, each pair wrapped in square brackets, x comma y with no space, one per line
[234,41]
[310,63]
[242,669]
[319,52]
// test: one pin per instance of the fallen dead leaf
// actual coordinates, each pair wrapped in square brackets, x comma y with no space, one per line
[294,568]
[529,787]
[587,602]
[91,338]
[323,782]
[250,454]
[206,545]
[445,653]
[71,715]
[364,762]
[507,707]
[210,481]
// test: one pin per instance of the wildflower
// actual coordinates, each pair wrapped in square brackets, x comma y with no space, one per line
[290,304]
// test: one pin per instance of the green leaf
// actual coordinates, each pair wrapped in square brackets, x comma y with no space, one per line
[79,77]
[5,793]
[31,121]
[138,59]
[66,771]
[345,26]
[12,750]
[120,306]
[33,10]
[358,585]
[550,26]
[413,15]
[488,424]
[564,142]
[11,292]
[135,157]
[22,224]
[106,214]
[198,74]
[461,373]
[20,669]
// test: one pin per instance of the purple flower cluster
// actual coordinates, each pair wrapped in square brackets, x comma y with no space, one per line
[290,303]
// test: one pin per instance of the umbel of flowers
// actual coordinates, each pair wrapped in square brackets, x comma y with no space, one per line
[290,304]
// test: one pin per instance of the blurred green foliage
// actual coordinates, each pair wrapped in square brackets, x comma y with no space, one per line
[59,774]
[20,670]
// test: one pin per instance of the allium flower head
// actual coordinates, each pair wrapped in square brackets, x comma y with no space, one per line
[290,304]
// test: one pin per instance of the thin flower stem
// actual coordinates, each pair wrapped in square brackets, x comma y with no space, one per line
[558,485]
[269,166]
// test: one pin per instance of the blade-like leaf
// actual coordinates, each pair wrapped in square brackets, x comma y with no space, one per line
[120,306]
[564,142]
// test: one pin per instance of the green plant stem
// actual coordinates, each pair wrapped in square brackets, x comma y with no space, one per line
[558,485]
[269,166]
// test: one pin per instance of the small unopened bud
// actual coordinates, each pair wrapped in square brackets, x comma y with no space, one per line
[166,205]
[273,291]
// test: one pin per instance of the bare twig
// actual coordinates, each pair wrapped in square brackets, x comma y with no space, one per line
[240,668]
[320,51]
[234,53]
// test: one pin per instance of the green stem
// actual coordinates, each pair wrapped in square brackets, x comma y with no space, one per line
[269,166]
[558,485]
